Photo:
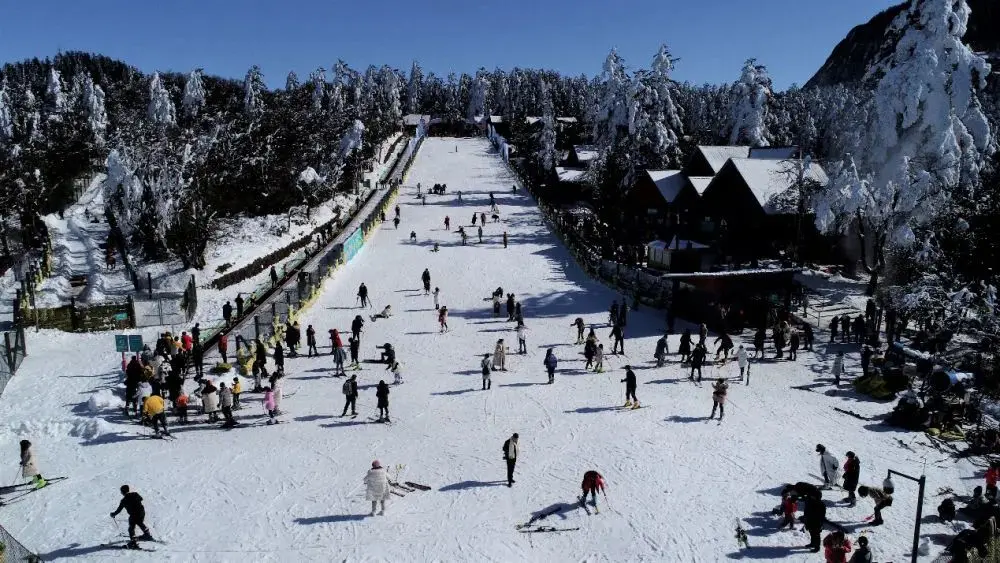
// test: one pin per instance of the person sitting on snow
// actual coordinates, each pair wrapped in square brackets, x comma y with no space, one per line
[385,314]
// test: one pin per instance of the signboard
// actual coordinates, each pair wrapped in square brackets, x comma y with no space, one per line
[121,343]
[353,244]
[135,342]
[121,316]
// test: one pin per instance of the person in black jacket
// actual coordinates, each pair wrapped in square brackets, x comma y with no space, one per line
[131,503]
[356,325]
[196,333]
[852,470]
[133,375]
[350,389]
[382,394]
[814,515]
[227,313]
[274,277]
[426,278]
[697,359]
[630,386]
[239,306]
[510,306]
[279,357]
[618,333]
[311,341]
[355,346]
[685,346]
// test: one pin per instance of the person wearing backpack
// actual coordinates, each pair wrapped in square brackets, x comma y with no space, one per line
[486,365]
[350,390]
[510,456]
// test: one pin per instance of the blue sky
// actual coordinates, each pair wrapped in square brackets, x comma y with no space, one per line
[711,37]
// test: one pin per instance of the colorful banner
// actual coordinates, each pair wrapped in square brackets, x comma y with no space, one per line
[353,244]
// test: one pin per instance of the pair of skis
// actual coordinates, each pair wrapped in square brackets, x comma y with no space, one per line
[530,527]
[26,489]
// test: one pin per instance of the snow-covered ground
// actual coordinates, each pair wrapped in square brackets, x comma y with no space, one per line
[677,482]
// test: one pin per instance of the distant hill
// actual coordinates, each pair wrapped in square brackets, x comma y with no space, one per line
[863,44]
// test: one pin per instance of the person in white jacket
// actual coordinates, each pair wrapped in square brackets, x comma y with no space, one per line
[437,295]
[522,345]
[29,467]
[377,487]
[829,466]
[743,361]
[500,356]
[838,367]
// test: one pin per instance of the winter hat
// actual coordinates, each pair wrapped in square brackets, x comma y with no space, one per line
[376,465]
[820,448]
[863,541]
[627,366]
[850,454]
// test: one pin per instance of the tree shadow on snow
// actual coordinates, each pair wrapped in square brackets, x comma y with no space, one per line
[471,485]
[331,519]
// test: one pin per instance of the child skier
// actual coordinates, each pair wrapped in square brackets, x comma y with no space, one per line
[487,367]
[131,503]
[719,390]
[397,374]
[269,405]
[443,318]
[522,346]
[385,314]
[630,386]
[592,481]
[355,346]
[550,363]
[237,390]
[29,468]
[382,395]
[437,294]
[744,362]
[661,351]
[578,323]
[599,359]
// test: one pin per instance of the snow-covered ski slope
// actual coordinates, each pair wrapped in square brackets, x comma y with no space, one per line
[293,492]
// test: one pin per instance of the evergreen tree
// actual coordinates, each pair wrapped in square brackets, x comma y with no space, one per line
[253,89]
[749,110]
[291,81]
[547,140]
[161,110]
[194,93]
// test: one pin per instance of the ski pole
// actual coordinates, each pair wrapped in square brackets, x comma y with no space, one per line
[117,528]
[13,481]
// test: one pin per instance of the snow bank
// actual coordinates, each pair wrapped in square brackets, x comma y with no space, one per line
[103,400]
[89,429]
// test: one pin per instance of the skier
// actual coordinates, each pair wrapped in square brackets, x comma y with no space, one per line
[599,359]
[274,277]
[725,345]
[377,487]
[522,347]
[838,367]
[447,223]
[154,410]
[480,232]
[226,402]
[385,314]
[363,295]
[382,394]
[356,325]
[697,359]
[388,354]
[618,333]
[443,318]
[131,503]
[504,236]
[578,323]
[29,468]
[852,471]
[311,341]
[613,313]
[397,374]
[661,351]
[719,390]
[487,367]
[279,357]
[793,346]
[590,350]
[209,400]
[685,346]
[882,498]
[437,294]
[482,218]
[630,386]
[397,211]
[227,313]
[181,408]
[510,456]
[550,362]
[592,481]
[413,236]
[395,222]
[496,305]
[338,361]
[510,306]
[500,356]
[829,467]
[335,341]
[836,546]
[237,391]
[475,217]
[355,346]
[350,390]
[426,278]
[814,516]
[270,405]
[744,363]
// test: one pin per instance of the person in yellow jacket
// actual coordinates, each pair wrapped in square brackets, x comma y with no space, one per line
[155,411]
[237,389]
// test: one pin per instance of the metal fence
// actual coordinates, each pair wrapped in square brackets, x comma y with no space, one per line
[13,550]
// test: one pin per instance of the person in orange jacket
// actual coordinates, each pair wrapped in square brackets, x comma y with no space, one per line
[992,476]
[224,347]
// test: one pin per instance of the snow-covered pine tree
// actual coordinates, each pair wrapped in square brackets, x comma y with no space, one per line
[95,110]
[161,110]
[291,81]
[253,89]
[413,88]
[477,96]
[55,97]
[653,117]
[6,115]
[194,93]
[547,140]
[317,81]
[749,110]
[924,140]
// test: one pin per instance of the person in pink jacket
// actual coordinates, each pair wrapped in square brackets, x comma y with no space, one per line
[270,406]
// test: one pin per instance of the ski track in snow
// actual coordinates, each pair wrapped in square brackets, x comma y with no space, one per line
[293,492]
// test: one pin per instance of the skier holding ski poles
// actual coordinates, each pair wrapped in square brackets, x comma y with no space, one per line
[592,481]
[630,386]
[131,503]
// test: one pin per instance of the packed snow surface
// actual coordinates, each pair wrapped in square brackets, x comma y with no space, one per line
[677,482]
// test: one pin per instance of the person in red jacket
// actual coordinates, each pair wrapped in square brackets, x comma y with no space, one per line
[836,546]
[186,341]
[788,508]
[592,481]
[992,476]
[224,347]
[335,341]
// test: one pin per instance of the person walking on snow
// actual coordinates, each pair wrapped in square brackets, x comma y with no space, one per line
[685,346]
[630,386]
[487,367]
[500,356]
[437,295]
[355,345]
[504,238]
[522,346]
[447,223]
[382,395]
[814,516]
[829,467]
[131,503]
[356,326]
[852,472]
[550,362]
[274,277]
[226,402]
[510,456]
[350,390]
[793,346]
[377,487]
[397,374]
[480,231]
[443,318]
[210,400]
[311,341]
[335,341]
[270,406]
[742,358]
[578,323]
[719,390]
[426,278]
[834,325]
[338,361]
[590,349]
[29,467]
[697,359]
[363,296]
[475,217]
[599,359]
[838,368]
[882,498]
[661,351]
[223,347]
[618,334]
[592,481]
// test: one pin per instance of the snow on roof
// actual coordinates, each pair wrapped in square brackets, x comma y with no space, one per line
[570,174]
[496,119]
[566,119]
[669,182]
[768,178]
[700,183]
[657,245]
[718,155]
[585,153]
[477,119]
[414,119]
[309,176]
[683,244]
[774,153]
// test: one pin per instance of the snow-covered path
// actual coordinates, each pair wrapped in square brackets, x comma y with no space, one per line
[293,492]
